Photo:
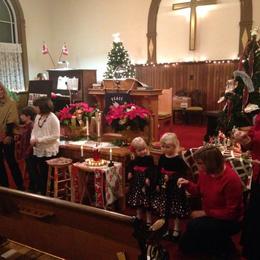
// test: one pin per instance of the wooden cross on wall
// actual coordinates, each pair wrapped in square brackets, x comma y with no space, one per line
[193,16]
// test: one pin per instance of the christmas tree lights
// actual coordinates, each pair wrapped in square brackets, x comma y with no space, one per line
[119,64]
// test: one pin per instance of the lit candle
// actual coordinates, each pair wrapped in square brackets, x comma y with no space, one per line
[110,154]
[81,151]
[87,126]
[98,124]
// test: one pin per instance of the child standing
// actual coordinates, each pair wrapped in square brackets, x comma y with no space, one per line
[140,175]
[25,148]
[170,200]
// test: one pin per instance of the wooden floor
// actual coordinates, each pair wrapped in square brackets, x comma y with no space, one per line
[12,250]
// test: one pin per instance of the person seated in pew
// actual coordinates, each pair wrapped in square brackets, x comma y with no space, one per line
[221,191]
[41,76]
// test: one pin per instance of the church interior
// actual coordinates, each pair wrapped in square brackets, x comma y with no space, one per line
[128,126]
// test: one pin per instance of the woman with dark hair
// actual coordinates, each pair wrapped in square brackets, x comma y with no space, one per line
[45,139]
[8,121]
[220,189]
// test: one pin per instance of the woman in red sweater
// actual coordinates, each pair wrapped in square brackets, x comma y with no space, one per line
[221,191]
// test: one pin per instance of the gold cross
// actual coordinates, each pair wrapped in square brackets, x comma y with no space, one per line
[193,16]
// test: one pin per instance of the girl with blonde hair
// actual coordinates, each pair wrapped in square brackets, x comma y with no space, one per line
[170,200]
[140,172]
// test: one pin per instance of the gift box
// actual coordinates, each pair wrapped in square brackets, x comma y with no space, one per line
[181,102]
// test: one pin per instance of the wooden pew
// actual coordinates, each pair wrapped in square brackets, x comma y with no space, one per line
[65,229]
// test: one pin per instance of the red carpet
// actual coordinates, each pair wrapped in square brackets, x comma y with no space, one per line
[189,135]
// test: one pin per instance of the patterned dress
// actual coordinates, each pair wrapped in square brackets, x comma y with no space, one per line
[171,200]
[139,193]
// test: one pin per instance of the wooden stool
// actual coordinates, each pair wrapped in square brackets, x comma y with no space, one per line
[60,173]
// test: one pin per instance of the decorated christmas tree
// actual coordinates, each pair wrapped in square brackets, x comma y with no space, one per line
[242,97]
[119,64]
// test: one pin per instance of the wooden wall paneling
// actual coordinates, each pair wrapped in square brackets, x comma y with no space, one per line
[210,78]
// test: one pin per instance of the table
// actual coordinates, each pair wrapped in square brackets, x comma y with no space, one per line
[107,183]
[120,154]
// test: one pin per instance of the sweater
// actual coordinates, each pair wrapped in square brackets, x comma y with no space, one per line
[48,136]
[8,116]
[222,195]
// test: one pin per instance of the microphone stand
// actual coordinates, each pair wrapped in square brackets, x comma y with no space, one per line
[68,88]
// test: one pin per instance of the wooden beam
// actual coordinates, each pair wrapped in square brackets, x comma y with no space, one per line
[193,4]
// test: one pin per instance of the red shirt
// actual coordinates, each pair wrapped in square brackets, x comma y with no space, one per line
[222,196]
[23,146]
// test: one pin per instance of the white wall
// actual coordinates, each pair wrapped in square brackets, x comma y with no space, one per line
[87,28]
[217,32]
[256,13]
[38,22]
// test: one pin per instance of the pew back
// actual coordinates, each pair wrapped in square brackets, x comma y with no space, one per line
[65,229]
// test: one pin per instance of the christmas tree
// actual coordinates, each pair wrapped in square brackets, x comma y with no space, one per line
[119,64]
[242,95]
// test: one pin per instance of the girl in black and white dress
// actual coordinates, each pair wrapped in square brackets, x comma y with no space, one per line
[140,172]
[170,200]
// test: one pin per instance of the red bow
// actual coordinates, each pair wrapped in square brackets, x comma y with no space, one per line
[131,149]
[168,173]
[140,169]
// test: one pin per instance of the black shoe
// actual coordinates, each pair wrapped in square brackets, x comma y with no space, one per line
[148,225]
[176,234]
[168,235]
[3,240]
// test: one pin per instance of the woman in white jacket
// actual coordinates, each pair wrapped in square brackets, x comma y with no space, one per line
[45,140]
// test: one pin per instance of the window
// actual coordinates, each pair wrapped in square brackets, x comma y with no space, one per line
[7,23]
[11,53]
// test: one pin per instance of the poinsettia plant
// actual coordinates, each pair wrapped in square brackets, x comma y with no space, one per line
[76,114]
[127,116]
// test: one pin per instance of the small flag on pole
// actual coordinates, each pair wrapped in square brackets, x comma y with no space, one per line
[64,49]
[45,48]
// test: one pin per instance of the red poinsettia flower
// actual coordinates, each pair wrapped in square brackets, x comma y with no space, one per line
[78,110]
[127,116]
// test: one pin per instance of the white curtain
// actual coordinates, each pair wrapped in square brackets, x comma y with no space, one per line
[11,67]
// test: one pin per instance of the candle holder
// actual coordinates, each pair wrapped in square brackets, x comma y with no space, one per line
[110,164]
[96,154]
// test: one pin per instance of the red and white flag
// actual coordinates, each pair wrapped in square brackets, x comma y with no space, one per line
[64,50]
[45,49]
